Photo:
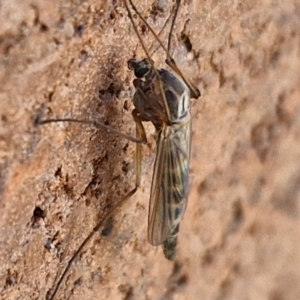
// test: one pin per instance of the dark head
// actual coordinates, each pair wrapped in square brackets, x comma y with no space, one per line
[141,68]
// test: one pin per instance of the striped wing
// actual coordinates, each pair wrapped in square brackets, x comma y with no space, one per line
[170,184]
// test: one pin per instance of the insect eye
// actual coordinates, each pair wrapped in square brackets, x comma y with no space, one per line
[140,72]
[141,67]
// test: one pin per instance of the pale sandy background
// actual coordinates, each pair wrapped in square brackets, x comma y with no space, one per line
[240,237]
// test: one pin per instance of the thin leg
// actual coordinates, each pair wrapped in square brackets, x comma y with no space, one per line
[95,124]
[86,241]
[172,24]
[147,25]
[147,51]
[195,93]
[141,138]
[160,32]
[141,134]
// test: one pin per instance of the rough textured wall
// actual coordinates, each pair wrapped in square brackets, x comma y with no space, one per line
[240,237]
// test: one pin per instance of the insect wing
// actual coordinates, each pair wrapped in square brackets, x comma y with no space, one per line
[170,184]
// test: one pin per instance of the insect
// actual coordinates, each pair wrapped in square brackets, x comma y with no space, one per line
[162,98]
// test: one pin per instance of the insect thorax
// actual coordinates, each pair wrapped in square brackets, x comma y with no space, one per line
[148,98]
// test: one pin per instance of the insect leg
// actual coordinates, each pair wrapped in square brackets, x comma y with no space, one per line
[195,93]
[140,138]
[93,123]
[160,32]
[147,52]
[141,134]
[172,25]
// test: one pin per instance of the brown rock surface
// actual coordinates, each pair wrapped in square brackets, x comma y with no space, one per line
[240,237]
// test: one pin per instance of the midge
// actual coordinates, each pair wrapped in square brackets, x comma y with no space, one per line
[162,98]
